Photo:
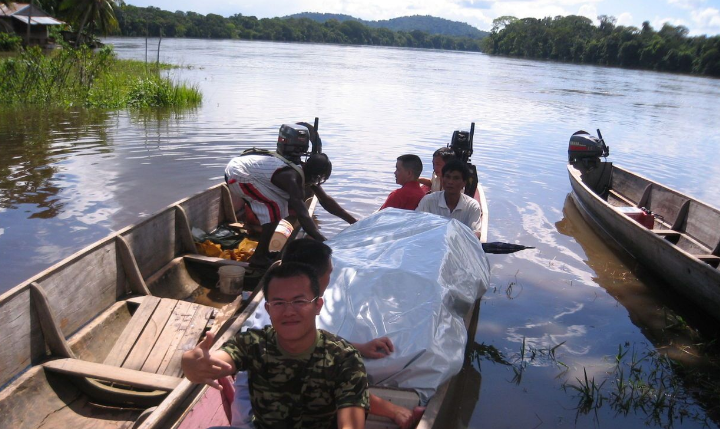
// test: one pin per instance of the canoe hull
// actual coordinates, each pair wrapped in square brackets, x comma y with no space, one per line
[685,273]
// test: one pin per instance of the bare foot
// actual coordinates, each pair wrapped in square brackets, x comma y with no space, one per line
[407,419]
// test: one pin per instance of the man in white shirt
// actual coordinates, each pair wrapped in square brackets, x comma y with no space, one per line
[451,201]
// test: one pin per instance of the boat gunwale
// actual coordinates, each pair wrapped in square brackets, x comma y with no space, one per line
[648,232]
[5,296]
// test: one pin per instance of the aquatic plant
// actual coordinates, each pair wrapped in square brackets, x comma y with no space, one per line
[79,77]
[528,354]
[643,383]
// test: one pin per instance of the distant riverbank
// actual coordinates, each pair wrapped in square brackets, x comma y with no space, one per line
[576,39]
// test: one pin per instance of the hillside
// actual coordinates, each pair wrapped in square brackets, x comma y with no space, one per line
[427,24]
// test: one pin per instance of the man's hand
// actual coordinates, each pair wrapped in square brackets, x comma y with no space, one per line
[375,349]
[200,366]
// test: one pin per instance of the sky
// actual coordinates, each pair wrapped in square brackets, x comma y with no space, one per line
[699,16]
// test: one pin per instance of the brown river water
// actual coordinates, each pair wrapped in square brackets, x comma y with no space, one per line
[69,178]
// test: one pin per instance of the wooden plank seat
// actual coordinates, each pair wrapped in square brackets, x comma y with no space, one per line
[113,374]
[160,330]
[667,232]
[622,198]
[710,259]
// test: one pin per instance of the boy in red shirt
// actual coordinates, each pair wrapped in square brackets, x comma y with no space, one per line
[407,171]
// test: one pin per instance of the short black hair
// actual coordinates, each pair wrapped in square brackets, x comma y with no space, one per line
[412,163]
[457,165]
[446,153]
[292,269]
[317,168]
[310,252]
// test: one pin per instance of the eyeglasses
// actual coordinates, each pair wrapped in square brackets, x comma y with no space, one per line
[297,304]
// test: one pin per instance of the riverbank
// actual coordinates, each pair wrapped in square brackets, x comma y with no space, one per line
[84,78]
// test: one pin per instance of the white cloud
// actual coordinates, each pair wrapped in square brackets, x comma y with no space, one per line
[657,23]
[539,9]
[625,19]
[687,4]
[708,20]
[588,11]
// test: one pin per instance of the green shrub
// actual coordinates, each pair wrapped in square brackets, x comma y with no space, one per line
[80,77]
[9,42]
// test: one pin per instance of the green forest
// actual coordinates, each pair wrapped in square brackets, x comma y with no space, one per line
[576,39]
[153,22]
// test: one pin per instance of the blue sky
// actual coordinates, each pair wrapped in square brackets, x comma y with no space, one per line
[700,16]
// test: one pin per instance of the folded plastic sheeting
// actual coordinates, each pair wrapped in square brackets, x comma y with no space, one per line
[412,277]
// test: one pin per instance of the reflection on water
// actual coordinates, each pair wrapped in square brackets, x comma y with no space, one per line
[33,143]
[651,305]
[71,178]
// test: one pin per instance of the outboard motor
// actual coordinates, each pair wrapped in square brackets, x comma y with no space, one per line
[462,145]
[293,141]
[586,148]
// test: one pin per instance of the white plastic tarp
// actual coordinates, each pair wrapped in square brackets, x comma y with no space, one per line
[411,277]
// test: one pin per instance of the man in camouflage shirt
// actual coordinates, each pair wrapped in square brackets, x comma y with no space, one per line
[300,377]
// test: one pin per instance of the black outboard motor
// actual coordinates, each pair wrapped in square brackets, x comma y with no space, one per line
[586,148]
[462,145]
[293,141]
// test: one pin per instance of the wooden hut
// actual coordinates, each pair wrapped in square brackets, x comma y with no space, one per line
[16,17]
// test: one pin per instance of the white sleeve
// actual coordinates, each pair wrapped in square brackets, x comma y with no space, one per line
[475,217]
[422,205]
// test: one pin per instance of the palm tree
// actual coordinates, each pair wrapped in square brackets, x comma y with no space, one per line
[97,14]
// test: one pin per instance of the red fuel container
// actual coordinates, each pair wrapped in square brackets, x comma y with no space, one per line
[643,217]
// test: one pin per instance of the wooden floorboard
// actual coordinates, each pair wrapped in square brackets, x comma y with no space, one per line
[150,334]
[132,331]
[174,328]
[189,340]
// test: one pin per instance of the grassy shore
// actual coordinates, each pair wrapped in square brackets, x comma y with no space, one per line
[82,78]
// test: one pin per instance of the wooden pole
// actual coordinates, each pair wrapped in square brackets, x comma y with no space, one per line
[27,41]
[158,52]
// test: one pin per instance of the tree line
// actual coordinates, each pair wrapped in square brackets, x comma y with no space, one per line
[154,22]
[575,39]
[426,23]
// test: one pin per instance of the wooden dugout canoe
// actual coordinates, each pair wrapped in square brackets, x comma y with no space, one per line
[683,245]
[207,409]
[95,341]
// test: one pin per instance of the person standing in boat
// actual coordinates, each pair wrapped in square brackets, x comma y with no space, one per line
[451,202]
[300,377]
[319,256]
[440,158]
[407,171]
[271,183]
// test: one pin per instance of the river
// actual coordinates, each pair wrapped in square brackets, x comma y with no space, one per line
[72,177]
